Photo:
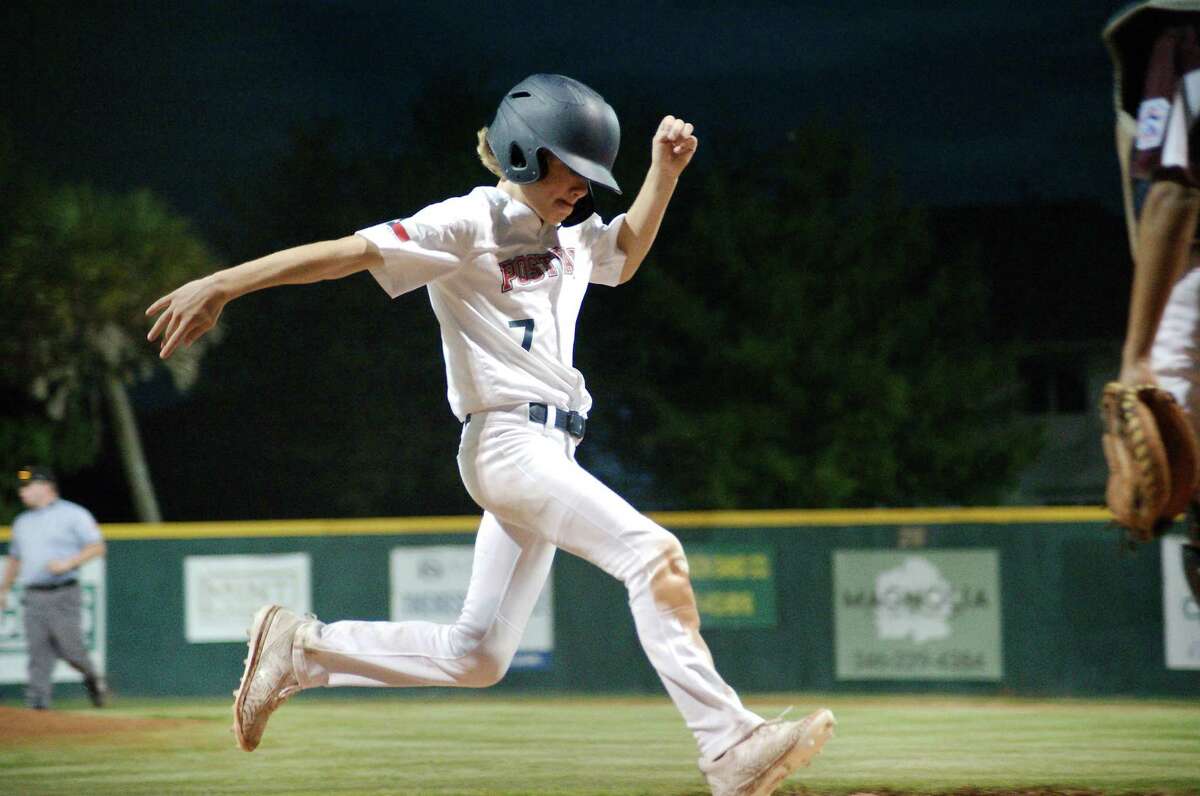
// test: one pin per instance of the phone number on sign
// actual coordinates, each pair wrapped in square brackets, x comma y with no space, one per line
[920,661]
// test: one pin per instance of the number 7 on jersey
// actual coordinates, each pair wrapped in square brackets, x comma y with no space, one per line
[527,323]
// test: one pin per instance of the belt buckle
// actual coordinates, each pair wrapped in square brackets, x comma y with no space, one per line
[575,424]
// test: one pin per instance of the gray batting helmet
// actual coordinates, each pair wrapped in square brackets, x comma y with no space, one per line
[565,117]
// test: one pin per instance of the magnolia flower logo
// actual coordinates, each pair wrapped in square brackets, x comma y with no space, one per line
[914,601]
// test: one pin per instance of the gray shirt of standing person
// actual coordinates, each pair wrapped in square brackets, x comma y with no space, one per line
[42,538]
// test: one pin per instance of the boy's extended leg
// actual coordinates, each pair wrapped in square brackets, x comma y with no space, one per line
[288,653]
[508,571]
[526,474]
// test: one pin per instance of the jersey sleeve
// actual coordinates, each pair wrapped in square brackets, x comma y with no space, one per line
[85,528]
[607,258]
[14,544]
[423,248]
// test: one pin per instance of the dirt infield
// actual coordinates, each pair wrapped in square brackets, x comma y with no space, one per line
[19,724]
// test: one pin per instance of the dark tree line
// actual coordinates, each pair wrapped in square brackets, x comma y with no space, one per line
[795,338]
[79,266]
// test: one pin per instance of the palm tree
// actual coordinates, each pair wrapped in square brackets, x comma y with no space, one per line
[77,269]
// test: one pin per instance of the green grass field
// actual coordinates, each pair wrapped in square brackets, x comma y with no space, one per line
[484,744]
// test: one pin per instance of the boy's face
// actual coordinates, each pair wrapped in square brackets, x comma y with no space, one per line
[553,197]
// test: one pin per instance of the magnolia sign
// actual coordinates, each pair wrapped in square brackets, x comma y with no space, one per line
[932,615]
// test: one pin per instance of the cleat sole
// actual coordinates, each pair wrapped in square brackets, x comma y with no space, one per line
[258,631]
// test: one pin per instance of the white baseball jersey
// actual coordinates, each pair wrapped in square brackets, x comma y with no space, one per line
[506,289]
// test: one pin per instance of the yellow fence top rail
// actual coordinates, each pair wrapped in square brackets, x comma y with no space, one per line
[676,520]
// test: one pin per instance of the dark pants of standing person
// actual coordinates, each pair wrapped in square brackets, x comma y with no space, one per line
[53,631]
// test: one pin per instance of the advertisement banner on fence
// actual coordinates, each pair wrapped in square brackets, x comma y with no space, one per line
[430,584]
[221,593]
[1181,615]
[13,650]
[927,615]
[734,585]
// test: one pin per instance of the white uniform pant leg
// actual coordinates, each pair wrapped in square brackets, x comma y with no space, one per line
[508,572]
[1175,356]
[526,474]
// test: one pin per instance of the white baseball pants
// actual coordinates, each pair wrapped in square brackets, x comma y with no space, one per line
[536,499]
[1175,356]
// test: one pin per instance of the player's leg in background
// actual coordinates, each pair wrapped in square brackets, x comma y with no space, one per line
[1191,552]
[40,645]
[1176,353]
[64,609]
[526,474]
[1176,363]
[508,572]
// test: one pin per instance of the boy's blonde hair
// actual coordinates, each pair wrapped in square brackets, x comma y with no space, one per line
[486,156]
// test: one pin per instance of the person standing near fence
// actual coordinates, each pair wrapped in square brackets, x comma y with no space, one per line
[51,540]
[1155,50]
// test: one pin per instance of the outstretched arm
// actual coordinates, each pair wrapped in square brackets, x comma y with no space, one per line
[191,310]
[670,153]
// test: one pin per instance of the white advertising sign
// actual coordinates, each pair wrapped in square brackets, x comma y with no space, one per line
[14,659]
[909,615]
[221,593]
[430,584]
[1181,615]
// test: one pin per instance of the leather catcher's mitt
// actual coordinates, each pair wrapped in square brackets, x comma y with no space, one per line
[1153,458]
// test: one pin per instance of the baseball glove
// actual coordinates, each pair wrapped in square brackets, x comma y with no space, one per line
[1152,455]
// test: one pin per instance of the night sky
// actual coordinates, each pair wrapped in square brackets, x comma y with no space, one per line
[984,103]
[968,103]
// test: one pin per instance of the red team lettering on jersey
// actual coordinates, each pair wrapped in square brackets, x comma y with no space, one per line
[566,257]
[527,268]
[475,252]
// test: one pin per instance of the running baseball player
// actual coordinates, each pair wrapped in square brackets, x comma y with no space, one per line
[506,268]
[1155,48]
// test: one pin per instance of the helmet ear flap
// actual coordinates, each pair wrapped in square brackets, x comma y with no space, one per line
[519,169]
[515,156]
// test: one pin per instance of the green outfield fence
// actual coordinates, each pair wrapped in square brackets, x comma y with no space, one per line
[1033,601]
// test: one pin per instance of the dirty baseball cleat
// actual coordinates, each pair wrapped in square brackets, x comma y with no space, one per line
[754,766]
[269,678]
